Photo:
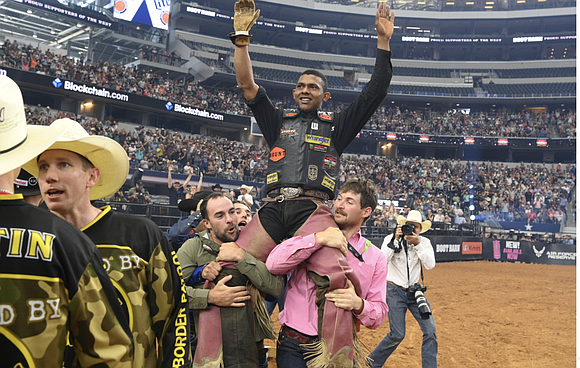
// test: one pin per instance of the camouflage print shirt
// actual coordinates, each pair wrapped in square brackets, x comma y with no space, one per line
[52,282]
[147,275]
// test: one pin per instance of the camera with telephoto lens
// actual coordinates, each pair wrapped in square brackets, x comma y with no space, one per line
[416,292]
[408,229]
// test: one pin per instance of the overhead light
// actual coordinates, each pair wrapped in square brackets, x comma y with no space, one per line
[79,25]
[34,35]
[450,3]
[52,31]
[88,104]
[489,7]
[521,1]
[29,11]
[490,2]
[413,27]
[469,3]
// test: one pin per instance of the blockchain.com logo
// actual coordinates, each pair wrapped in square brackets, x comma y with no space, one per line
[57,83]
[169,106]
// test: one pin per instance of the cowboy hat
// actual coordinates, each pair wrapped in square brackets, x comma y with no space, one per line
[104,153]
[248,188]
[19,142]
[216,186]
[415,216]
[188,205]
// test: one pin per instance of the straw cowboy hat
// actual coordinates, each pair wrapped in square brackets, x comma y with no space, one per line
[104,153]
[19,143]
[248,188]
[415,216]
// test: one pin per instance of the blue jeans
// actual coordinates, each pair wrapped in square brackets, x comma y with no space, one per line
[398,303]
[289,353]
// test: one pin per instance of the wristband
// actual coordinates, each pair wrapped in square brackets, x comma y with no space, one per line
[240,38]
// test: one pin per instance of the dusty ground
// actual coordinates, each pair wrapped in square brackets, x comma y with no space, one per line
[492,314]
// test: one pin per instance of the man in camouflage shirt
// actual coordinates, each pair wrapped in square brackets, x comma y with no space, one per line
[136,254]
[52,283]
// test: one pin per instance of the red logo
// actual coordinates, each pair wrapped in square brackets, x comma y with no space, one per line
[277,153]
[471,248]
[291,114]
[325,117]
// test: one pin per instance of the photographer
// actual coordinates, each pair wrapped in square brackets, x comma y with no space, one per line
[406,252]
[138,193]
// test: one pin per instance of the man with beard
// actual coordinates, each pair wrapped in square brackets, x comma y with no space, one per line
[356,201]
[206,291]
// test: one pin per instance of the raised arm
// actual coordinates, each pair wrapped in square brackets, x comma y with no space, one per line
[385,26]
[188,176]
[245,15]
[169,180]
[200,182]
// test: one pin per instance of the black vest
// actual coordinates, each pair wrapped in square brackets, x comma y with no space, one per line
[304,155]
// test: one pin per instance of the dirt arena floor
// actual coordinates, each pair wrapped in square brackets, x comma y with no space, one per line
[491,314]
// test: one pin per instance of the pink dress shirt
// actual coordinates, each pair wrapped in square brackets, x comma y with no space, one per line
[300,311]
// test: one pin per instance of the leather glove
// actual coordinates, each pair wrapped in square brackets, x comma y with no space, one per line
[245,15]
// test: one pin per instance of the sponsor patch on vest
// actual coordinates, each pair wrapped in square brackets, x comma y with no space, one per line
[318,148]
[329,162]
[328,183]
[312,172]
[287,133]
[324,116]
[289,114]
[310,138]
[277,153]
[314,126]
[272,178]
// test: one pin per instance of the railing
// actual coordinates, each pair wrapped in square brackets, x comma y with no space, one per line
[166,215]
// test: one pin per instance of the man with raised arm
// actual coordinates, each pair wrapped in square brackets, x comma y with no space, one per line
[304,164]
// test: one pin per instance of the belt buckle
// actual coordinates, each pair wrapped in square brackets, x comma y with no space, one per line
[290,192]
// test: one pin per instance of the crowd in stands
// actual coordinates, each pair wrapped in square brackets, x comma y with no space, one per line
[441,189]
[500,123]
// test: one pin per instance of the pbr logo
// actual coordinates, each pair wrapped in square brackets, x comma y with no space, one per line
[312,172]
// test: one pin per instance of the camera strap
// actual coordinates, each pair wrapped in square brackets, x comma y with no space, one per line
[404,242]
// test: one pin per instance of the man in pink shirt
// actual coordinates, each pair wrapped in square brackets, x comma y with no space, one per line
[299,319]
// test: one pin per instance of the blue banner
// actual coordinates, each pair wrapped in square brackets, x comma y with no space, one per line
[531,226]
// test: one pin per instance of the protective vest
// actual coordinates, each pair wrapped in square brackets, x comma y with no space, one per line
[304,155]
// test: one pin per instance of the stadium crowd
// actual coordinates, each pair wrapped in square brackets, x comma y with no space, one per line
[501,123]
[441,189]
